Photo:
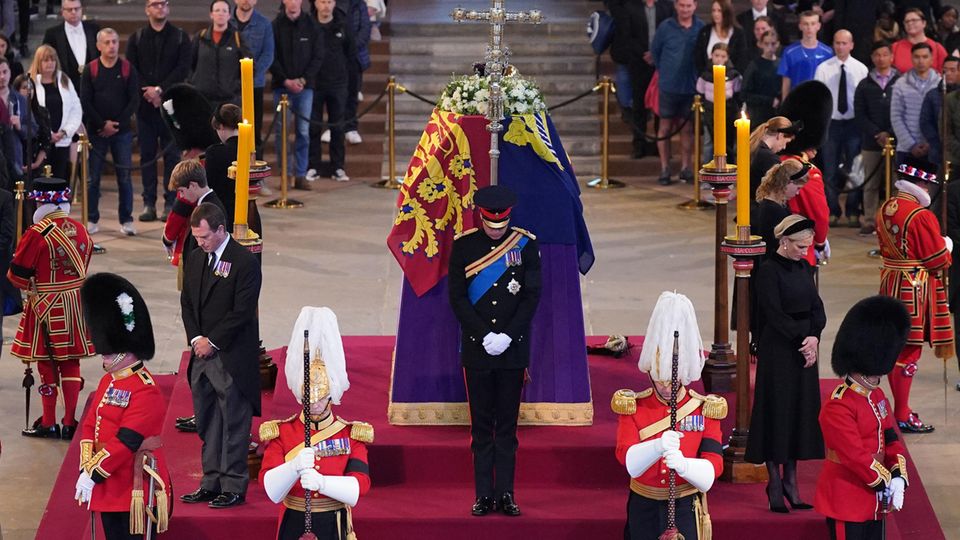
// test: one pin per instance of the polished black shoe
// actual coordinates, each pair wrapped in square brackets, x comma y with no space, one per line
[190,426]
[226,500]
[914,425]
[67,432]
[184,419]
[149,214]
[775,500]
[508,506]
[39,431]
[483,506]
[199,496]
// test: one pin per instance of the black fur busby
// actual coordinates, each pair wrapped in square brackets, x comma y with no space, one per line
[187,114]
[116,316]
[871,337]
[812,104]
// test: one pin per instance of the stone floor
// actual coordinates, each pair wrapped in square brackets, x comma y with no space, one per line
[332,253]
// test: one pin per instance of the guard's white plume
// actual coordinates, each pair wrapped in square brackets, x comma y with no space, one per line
[673,312]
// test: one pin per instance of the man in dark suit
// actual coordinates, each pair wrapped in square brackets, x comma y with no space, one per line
[494,282]
[75,40]
[221,288]
[760,8]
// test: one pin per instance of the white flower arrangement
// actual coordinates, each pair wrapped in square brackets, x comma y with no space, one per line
[468,94]
[126,308]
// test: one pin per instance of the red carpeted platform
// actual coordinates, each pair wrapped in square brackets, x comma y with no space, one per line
[569,484]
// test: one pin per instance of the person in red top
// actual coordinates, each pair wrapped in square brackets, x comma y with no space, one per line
[176,228]
[123,470]
[915,26]
[915,258]
[50,264]
[333,470]
[649,447]
[865,473]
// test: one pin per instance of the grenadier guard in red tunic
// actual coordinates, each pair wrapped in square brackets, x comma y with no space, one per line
[915,258]
[650,447]
[123,470]
[810,105]
[865,473]
[334,470]
[50,264]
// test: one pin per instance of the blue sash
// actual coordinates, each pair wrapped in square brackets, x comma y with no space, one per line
[489,275]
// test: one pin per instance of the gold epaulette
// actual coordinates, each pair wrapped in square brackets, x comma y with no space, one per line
[714,406]
[360,431]
[624,401]
[465,233]
[270,429]
[839,391]
[146,377]
[525,232]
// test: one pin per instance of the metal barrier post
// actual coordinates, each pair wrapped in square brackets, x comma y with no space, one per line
[696,203]
[889,151]
[391,180]
[604,181]
[283,202]
[84,186]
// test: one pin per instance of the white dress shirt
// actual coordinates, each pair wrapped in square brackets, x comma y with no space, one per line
[829,74]
[78,42]
[758,14]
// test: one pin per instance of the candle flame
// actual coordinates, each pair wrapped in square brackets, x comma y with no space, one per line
[743,115]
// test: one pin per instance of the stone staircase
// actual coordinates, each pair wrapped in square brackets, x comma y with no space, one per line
[424,55]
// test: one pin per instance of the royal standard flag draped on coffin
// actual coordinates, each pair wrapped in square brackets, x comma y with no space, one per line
[452,161]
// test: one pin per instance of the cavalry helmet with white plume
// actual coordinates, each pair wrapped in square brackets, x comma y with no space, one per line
[328,367]
[673,312]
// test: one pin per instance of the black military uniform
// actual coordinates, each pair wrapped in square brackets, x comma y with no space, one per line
[494,290]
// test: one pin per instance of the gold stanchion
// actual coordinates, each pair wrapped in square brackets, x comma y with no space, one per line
[283,202]
[889,151]
[604,182]
[20,197]
[391,180]
[696,203]
[84,187]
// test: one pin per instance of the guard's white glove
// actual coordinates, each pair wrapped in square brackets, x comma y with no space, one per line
[670,440]
[488,339]
[498,344]
[674,460]
[949,242]
[305,459]
[311,480]
[85,488]
[894,492]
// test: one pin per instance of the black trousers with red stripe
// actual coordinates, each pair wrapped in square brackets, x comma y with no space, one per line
[494,396]
[855,530]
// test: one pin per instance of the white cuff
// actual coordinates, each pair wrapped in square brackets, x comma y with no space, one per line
[700,474]
[194,340]
[949,242]
[641,456]
[278,480]
[345,489]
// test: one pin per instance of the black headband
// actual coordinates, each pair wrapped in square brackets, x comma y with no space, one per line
[804,169]
[801,225]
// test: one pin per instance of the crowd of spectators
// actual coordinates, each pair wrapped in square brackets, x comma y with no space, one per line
[79,81]
[883,72]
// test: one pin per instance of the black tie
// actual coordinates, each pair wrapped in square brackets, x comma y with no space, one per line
[213,261]
[842,93]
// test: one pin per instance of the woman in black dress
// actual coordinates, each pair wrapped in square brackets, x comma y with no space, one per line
[784,426]
[781,183]
[766,141]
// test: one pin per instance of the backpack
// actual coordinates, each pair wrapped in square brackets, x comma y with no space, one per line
[94,68]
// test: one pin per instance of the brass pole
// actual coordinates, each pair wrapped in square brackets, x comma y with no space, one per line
[604,181]
[889,150]
[20,196]
[84,177]
[84,157]
[696,203]
[391,180]
[283,202]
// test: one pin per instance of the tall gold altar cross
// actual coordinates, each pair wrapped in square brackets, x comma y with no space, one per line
[496,59]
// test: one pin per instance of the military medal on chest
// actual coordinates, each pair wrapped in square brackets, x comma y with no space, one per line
[514,257]
[333,447]
[117,397]
[222,269]
[694,422]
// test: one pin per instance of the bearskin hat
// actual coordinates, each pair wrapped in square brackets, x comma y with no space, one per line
[116,316]
[871,337]
[812,104]
[187,114]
